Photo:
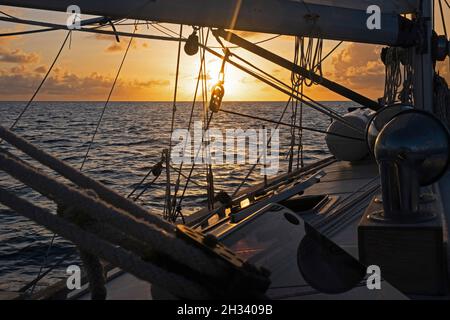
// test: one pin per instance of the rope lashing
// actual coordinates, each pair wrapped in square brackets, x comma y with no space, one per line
[132,244]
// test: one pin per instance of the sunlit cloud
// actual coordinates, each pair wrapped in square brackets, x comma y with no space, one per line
[17,56]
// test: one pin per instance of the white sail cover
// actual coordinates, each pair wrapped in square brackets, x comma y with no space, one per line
[387,6]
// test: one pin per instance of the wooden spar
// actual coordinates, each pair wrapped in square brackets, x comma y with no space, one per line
[333,86]
[267,16]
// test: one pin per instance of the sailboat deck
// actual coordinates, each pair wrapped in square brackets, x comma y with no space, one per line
[352,186]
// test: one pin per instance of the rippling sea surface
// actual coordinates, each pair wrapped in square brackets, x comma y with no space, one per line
[129,142]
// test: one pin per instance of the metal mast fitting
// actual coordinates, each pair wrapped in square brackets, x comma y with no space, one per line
[267,16]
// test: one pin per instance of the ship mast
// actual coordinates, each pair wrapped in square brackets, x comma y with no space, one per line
[423,63]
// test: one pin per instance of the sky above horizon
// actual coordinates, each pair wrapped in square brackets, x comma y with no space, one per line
[86,69]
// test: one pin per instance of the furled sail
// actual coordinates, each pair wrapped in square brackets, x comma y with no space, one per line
[387,6]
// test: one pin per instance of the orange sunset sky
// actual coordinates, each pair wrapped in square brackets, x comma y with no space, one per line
[86,70]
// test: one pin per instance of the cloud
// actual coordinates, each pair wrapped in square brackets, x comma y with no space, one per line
[17,56]
[150,83]
[115,46]
[20,82]
[40,69]
[359,67]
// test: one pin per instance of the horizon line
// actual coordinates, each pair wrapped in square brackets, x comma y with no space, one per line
[161,101]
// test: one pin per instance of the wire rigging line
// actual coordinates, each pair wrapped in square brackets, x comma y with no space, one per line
[171,202]
[42,82]
[444,24]
[8,15]
[200,76]
[162,31]
[39,276]
[330,52]
[44,264]
[207,150]
[20,33]
[107,102]
[20,117]
[259,158]
[168,29]
[294,94]
[289,124]
[447,3]
[255,43]
[441,9]
[208,49]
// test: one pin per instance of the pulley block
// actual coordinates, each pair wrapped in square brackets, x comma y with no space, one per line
[216,97]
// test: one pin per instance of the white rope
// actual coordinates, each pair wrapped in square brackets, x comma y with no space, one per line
[156,238]
[138,247]
[117,256]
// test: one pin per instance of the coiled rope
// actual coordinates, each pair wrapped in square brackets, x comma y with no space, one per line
[399,82]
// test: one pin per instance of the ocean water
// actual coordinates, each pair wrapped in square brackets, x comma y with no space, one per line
[129,142]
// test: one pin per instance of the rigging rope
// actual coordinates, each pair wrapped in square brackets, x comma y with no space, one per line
[259,157]
[202,77]
[393,76]
[289,125]
[272,81]
[17,121]
[191,116]
[20,33]
[107,101]
[444,24]
[255,43]
[399,83]
[168,206]
[91,142]
[134,245]
[27,106]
